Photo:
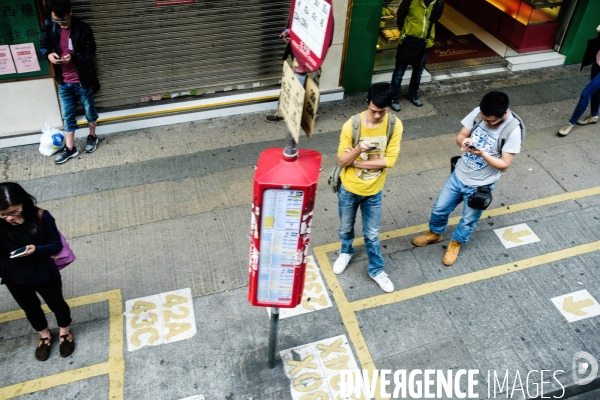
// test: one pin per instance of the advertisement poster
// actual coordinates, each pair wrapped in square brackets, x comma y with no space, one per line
[20,24]
[6,63]
[25,57]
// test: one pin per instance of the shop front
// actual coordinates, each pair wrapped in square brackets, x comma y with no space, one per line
[168,51]
[160,52]
[471,34]
[171,57]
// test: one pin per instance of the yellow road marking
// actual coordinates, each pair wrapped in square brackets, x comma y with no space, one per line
[527,205]
[348,310]
[574,307]
[465,279]
[348,315]
[114,366]
[182,109]
[514,237]
[48,382]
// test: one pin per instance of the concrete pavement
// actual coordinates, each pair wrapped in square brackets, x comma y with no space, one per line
[162,209]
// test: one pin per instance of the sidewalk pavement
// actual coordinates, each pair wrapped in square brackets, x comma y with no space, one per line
[159,210]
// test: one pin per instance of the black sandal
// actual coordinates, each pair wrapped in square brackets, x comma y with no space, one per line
[67,344]
[42,351]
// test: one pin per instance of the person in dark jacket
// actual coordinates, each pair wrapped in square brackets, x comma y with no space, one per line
[590,94]
[68,43]
[414,18]
[34,271]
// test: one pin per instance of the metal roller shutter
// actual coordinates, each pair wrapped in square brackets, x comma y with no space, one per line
[146,50]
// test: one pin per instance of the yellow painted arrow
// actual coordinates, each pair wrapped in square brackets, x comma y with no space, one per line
[514,236]
[575,307]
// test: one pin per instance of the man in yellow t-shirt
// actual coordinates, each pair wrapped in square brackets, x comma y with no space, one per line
[363,180]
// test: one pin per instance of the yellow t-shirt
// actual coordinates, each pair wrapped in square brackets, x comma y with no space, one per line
[364,182]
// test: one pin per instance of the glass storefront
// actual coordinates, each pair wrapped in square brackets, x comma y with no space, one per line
[476,32]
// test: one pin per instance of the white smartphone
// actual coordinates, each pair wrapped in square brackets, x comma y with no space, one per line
[18,252]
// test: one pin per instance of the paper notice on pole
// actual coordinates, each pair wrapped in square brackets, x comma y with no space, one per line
[311,103]
[291,101]
[25,57]
[279,235]
[6,62]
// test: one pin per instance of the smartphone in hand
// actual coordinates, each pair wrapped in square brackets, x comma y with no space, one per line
[18,252]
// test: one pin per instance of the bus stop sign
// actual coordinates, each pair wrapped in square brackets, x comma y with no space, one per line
[311,32]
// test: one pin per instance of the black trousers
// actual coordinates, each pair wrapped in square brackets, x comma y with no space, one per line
[51,292]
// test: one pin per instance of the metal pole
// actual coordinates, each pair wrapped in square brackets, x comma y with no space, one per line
[273,336]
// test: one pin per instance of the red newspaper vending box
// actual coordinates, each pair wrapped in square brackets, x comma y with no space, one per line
[282,208]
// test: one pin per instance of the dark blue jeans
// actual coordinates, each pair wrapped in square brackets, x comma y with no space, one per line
[68,94]
[591,93]
[415,78]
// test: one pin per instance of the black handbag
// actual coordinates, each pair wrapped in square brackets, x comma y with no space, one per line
[453,162]
[481,198]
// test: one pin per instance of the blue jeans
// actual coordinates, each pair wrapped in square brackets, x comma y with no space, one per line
[415,78]
[68,94]
[370,208]
[591,93]
[452,194]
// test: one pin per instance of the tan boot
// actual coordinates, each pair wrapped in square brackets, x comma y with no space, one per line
[451,253]
[427,238]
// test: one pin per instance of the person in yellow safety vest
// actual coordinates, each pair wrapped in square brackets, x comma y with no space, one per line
[416,21]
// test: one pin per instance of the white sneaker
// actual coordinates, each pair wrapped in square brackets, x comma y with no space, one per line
[384,282]
[565,130]
[341,263]
[590,119]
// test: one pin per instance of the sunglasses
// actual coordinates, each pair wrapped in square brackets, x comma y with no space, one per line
[60,21]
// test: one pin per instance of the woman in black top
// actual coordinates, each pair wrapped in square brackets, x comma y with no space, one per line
[34,271]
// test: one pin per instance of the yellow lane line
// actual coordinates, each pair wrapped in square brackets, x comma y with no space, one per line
[48,382]
[114,367]
[74,302]
[116,361]
[348,310]
[527,205]
[348,315]
[465,279]
[183,109]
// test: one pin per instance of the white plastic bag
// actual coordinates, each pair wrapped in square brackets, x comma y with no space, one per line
[51,141]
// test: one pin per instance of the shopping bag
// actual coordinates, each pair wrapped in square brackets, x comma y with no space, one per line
[51,141]
[65,256]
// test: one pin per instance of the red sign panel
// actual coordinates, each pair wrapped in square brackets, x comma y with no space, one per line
[311,32]
[282,211]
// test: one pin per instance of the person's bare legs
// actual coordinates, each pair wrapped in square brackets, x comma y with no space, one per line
[45,333]
[70,137]
[92,126]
